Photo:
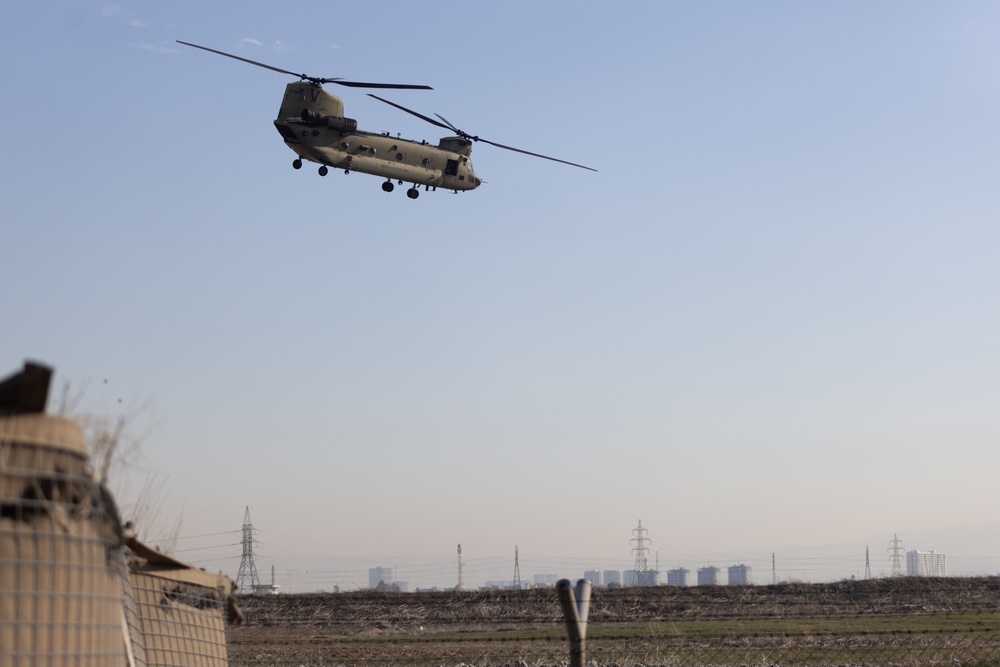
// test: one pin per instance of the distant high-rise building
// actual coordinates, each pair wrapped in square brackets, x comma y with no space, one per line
[925,564]
[593,576]
[739,574]
[379,575]
[545,579]
[612,578]
[708,576]
[677,577]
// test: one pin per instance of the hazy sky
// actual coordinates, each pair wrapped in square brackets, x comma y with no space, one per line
[768,322]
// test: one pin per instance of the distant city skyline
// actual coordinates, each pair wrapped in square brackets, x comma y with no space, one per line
[806,564]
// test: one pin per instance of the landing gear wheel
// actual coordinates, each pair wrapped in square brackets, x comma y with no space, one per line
[296,164]
[323,171]
[413,193]
[388,186]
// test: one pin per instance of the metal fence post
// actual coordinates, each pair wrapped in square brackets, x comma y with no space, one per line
[575,608]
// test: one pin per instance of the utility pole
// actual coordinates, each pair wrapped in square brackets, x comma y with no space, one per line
[517,571]
[640,550]
[774,572]
[247,580]
[897,555]
[459,587]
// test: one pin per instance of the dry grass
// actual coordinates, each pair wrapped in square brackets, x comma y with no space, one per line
[884,621]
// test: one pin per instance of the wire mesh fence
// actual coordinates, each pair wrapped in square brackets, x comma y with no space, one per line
[182,624]
[899,623]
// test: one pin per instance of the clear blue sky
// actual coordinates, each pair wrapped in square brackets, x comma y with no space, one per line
[768,322]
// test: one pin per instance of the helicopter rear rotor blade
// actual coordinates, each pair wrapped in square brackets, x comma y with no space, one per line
[545,157]
[312,79]
[414,113]
[448,125]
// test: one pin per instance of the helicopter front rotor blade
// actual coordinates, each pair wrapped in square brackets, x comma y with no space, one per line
[246,60]
[312,79]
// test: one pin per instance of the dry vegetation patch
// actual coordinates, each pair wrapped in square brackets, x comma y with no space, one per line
[631,625]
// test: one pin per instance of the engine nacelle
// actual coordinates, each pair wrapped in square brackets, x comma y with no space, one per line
[335,123]
[458,145]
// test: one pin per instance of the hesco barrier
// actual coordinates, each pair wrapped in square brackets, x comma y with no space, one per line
[76,588]
[60,593]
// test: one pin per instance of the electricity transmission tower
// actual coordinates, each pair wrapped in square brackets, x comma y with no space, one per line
[897,555]
[868,565]
[517,571]
[640,550]
[459,587]
[247,580]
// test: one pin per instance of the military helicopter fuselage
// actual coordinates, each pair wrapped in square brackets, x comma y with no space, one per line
[312,123]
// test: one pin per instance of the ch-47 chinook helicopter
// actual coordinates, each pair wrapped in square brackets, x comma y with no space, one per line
[312,123]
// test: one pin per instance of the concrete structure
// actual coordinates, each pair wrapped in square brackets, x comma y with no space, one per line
[739,574]
[379,575]
[612,578]
[677,577]
[708,576]
[593,576]
[925,564]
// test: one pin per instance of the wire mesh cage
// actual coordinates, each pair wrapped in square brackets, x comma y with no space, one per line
[76,587]
[182,614]
[60,594]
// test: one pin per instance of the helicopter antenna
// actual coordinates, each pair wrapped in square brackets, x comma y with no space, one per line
[447,125]
[316,81]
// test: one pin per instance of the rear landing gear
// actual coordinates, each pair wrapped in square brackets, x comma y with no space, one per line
[323,171]
[413,193]
[388,186]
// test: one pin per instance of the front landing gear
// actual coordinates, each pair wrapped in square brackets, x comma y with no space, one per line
[296,163]
[323,171]
[413,193]
[388,186]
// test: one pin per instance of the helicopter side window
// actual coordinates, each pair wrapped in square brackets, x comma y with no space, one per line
[451,169]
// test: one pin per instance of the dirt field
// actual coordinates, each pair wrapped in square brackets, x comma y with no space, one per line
[881,621]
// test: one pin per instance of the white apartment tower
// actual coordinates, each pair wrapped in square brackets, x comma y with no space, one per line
[925,564]
[708,576]
[677,577]
[740,574]
[379,575]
